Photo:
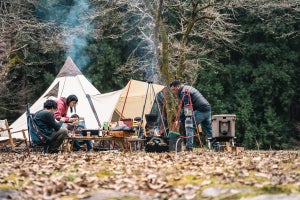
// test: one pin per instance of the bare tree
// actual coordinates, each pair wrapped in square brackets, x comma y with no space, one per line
[174,34]
[177,37]
[21,31]
[20,34]
[266,11]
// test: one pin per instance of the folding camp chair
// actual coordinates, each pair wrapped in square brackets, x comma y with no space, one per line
[37,140]
[10,143]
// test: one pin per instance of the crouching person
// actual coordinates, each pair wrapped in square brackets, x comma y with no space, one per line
[46,123]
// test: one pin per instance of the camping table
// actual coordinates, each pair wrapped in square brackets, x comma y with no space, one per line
[134,143]
[126,143]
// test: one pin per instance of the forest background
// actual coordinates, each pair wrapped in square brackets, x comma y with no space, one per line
[243,56]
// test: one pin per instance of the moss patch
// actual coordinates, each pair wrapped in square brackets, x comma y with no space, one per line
[103,174]
[73,197]
[278,189]
[8,187]
[189,179]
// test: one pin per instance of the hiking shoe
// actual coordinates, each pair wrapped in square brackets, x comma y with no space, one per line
[76,149]
[53,151]
[188,149]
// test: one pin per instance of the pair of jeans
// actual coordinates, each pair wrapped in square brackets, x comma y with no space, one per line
[77,144]
[204,119]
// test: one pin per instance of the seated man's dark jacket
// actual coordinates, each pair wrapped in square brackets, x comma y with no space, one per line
[46,122]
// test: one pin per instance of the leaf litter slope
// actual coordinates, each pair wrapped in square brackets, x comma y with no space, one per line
[184,175]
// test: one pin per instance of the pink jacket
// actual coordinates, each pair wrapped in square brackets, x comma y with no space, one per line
[62,109]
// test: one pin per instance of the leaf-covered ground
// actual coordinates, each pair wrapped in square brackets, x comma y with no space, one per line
[200,174]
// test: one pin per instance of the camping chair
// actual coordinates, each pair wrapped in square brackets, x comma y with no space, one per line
[10,143]
[37,140]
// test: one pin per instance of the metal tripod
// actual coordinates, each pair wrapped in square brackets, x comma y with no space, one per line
[151,88]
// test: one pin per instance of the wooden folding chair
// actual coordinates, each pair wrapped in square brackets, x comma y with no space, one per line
[10,143]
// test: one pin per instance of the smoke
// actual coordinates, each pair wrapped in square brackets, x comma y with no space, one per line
[147,50]
[152,73]
[74,19]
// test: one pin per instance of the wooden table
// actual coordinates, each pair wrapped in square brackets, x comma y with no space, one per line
[127,144]
[133,144]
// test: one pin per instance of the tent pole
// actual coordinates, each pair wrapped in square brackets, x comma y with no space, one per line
[160,112]
[142,117]
[150,84]
[121,115]
[94,110]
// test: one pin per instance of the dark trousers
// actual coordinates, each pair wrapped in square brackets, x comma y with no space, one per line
[77,144]
[57,138]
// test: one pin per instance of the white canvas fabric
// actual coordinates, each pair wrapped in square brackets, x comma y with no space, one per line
[105,105]
[3,132]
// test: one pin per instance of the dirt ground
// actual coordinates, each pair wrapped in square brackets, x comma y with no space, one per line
[200,174]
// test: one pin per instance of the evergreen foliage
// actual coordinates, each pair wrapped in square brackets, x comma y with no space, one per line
[106,56]
[260,84]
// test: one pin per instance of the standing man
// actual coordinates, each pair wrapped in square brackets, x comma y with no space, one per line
[46,123]
[201,108]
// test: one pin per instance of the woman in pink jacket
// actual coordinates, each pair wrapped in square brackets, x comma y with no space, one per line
[63,105]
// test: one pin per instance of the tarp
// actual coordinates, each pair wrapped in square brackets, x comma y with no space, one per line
[129,101]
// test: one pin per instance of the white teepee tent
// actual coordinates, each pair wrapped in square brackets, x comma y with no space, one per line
[68,81]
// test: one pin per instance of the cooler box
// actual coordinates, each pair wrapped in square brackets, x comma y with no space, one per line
[223,126]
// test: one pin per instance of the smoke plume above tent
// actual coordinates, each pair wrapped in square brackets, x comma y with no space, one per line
[73,19]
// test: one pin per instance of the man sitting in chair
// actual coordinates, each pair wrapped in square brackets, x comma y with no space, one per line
[46,123]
